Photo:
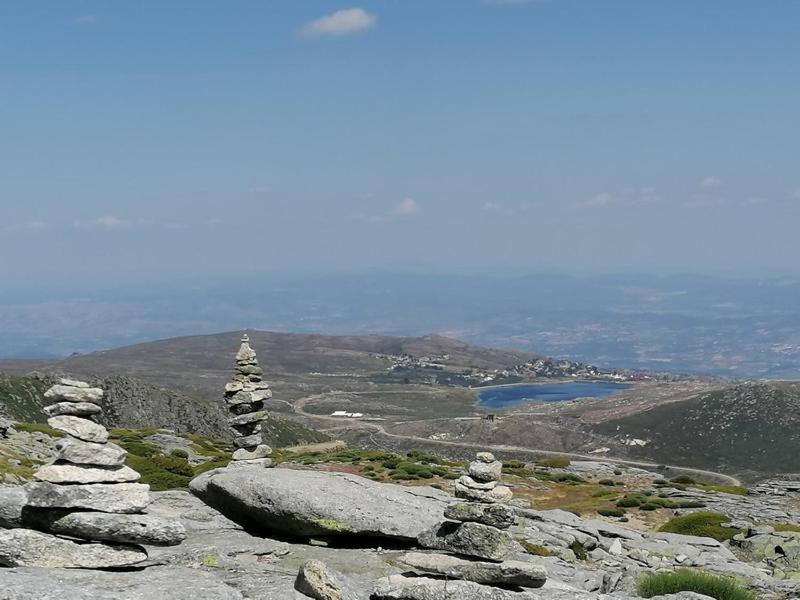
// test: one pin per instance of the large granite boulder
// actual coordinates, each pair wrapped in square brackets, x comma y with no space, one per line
[12,500]
[309,503]
[469,539]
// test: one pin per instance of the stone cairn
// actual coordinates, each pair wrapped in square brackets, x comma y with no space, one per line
[245,395]
[481,483]
[475,529]
[86,494]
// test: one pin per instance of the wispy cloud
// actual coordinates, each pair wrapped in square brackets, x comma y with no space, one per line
[407,207]
[600,200]
[341,23]
[30,226]
[710,183]
[104,222]
[490,206]
[87,20]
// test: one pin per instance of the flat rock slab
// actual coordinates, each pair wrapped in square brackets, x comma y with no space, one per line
[71,393]
[469,539]
[26,548]
[155,583]
[83,429]
[424,588]
[109,527]
[105,497]
[508,573]
[68,473]
[78,409]
[87,453]
[497,515]
[307,503]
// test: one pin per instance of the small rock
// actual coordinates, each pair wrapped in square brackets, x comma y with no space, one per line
[508,573]
[70,393]
[12,500]
[496,515]
[78,409]
[483,471]
[469,539]
[316,581]
[68,473]
[485,457]
[87,453]
[83,429]
[260,451]
[106,497]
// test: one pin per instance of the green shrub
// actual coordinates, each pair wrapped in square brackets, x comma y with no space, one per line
[38,428]
[649,506]
[140,448]
[609,482]
[513,464]
[702,524]
[173,464]
[629,502]
[534,549]
[689,580]
[180,453]
[579,550]
[683,479]
[611,512]
[554,463]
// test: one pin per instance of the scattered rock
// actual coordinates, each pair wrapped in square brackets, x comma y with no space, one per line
[316,581]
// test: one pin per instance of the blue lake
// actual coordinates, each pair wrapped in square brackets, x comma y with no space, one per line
[514,395]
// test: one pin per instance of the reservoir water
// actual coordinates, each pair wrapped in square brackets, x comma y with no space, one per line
[514,395]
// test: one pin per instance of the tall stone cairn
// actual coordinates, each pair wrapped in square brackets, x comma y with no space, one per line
[87,493]
[245,396]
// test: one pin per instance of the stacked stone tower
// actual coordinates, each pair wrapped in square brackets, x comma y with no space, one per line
[476,530]
[482,482]
[245,396]
[87,493]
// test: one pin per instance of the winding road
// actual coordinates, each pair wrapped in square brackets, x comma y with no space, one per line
[299,408]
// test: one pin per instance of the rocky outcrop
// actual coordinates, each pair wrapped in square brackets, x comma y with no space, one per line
[507,574]
[313,503]
[88,494]
[245,396]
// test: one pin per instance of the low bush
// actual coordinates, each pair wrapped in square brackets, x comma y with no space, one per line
[683,479]
[38,428]
[579,550]
[535,549]
[513,464]
[173,464]
[689,580]
[553,463]
[629,502]
[702,524]
[609,482]
[611,512]
[180,453]
[648,506]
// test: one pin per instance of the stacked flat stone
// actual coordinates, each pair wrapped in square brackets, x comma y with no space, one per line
[481,484]
[245,396]
[87,493]
[477,529]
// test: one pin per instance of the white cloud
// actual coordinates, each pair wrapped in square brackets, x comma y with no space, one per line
[795,194]
[407,207]
[603,199]
[340,23]
[490,206]
[260,189]
[754,201]
[104,222]
[711,183]
[87,19]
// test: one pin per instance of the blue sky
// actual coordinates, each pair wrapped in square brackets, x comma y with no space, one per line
[152,140]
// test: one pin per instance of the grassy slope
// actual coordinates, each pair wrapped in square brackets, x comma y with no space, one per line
[21,398]
[749,429]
